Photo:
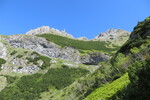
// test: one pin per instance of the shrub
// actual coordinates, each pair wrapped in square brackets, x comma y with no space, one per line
[2,61]
[26,52]
[64,66]
[46,60]
[10,79]
[20,67]
[19,56]
[14,52]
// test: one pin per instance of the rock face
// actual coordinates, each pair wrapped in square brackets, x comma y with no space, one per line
[51,50]
[47,29]
[27,69]
[2,51]
[93,58]
[114,36]
[43,47]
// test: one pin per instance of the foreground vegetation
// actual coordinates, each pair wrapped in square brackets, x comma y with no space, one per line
[29,87]
[133,57]
[108,90]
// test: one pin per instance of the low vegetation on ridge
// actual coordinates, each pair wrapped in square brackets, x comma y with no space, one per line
[79,44]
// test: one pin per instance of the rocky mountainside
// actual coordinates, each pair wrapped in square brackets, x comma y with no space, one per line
[115,36]
[47,64]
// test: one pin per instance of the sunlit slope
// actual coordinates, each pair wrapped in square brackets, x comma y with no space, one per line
[79,44]
[108,90]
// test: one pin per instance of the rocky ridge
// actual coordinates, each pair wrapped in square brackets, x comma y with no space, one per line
[47,29]
[50,49]
[40,45]
[114,36]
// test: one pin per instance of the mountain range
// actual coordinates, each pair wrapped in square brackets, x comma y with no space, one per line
[48,64]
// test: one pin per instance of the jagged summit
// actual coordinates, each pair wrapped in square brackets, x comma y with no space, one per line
[114,36]
[112,33]
[47,29]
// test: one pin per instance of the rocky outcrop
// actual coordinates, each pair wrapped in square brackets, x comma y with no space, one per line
[2,51]
[115,36]
[25,69]
[51,50]
[93,58]
[82,38]
[112,34]
[19,65]
[47,29]
[43,47]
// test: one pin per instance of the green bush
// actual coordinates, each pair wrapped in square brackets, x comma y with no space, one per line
[139,88]
[10,79]
[26,52]
[2,61]
[19,56]
[14,52]
[64,66]
[20,67]
[46,60]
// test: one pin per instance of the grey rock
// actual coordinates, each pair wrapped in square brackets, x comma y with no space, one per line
[53,61]
[43,47]
[82,38]
[26,69]
[47,29]
[115,36]
[93,58]
[49,49]
[112,33]
[2,51]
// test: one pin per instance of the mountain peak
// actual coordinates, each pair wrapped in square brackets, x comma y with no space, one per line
[47,29]
[114,36]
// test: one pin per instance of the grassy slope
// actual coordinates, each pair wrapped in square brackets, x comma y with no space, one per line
[29,87]
[108,90]
[78,44]
[134,50]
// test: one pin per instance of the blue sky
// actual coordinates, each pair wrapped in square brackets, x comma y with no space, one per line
[78,17]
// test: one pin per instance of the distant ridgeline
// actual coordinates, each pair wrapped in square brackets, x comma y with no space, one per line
[110,41]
